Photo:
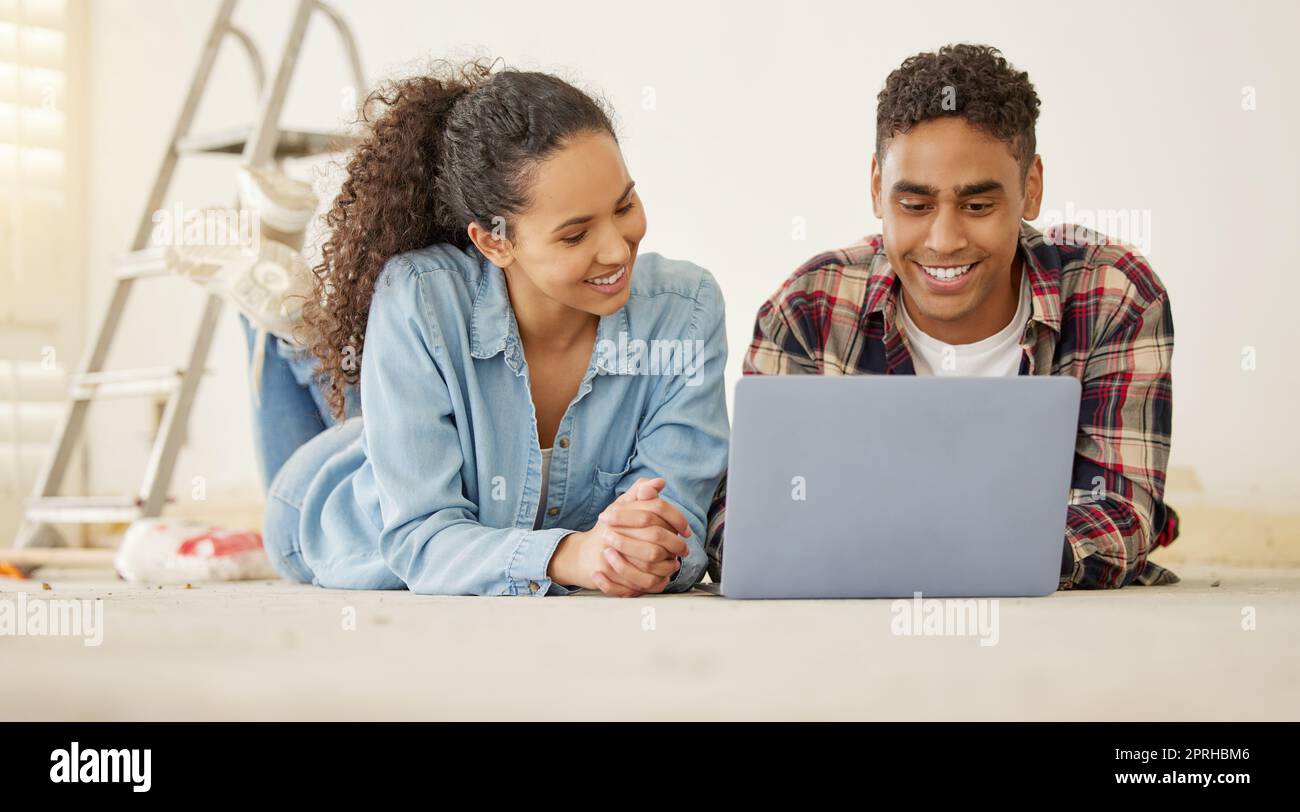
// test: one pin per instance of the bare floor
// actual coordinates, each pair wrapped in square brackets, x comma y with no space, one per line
[271,650]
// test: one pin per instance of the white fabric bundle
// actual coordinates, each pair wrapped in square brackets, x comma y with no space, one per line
[173,551]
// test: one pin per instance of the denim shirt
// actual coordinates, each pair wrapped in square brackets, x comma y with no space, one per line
[435,486]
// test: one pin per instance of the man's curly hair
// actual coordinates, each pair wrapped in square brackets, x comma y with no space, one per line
[974,82]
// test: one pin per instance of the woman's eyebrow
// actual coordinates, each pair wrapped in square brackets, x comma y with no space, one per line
[573,221]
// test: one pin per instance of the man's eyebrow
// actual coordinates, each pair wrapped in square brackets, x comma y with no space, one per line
[573,221]
[980,188]
[907,187]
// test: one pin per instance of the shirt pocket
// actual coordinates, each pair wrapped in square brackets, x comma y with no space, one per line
[602,490]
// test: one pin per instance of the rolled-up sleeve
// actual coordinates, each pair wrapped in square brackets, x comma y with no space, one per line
[1116,512]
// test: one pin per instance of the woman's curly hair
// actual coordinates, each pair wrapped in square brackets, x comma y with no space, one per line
[453,146]
[971,81]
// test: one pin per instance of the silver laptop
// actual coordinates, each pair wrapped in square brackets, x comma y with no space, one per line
[870,486]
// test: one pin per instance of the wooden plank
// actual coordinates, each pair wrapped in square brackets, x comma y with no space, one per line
[90,557]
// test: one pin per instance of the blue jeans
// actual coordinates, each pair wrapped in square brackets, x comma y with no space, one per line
[292,412]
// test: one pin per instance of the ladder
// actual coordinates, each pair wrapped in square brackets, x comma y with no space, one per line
[262,144]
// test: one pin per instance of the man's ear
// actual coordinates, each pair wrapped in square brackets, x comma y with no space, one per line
[1034,189]
[875,188]
[497,249]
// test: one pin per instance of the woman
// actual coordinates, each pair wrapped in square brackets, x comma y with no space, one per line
[481,284]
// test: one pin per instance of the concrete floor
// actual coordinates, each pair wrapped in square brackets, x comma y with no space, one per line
[264,650]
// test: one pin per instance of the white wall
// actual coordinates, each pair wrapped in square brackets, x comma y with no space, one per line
[764,112]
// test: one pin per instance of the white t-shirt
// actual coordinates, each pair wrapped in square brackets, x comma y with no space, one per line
[996,356]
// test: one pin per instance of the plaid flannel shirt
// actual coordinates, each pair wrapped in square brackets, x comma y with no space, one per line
[1099,313]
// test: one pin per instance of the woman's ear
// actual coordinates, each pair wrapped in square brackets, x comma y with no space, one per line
[492,244]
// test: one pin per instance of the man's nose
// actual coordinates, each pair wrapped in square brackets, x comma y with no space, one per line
[947,237]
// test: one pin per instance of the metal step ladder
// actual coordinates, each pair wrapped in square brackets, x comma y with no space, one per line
[262,144]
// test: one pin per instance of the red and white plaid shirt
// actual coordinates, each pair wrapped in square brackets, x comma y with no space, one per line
[1099,314]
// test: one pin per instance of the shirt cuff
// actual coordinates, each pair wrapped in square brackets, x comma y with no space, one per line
[526,574]
[673,578]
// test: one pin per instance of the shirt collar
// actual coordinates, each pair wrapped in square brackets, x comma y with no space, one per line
[1042,263]
[492,321]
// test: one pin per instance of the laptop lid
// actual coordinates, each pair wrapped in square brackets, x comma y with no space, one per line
[886,485]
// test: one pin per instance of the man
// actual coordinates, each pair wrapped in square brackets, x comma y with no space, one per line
[959,284]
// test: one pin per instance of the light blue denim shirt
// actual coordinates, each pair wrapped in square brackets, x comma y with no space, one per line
[435,486]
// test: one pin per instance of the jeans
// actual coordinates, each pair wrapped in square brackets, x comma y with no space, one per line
[292,413]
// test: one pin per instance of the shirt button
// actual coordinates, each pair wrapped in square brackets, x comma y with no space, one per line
[532,586]
[553,512]
[564,442]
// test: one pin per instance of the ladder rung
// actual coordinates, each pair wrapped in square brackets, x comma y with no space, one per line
[263,142]
[139,264]
[291,143]
[82,509]
[125,383]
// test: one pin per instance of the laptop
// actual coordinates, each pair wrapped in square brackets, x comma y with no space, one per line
[875,486]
